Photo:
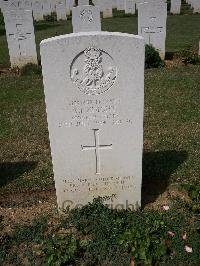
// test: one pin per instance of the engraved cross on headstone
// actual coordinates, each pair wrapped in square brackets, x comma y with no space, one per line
[150,31]
[20,35]
[97,147]
[152,28]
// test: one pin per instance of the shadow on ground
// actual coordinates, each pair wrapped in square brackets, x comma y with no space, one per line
[157,169]
[10,171]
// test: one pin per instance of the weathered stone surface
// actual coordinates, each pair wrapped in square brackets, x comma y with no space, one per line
[86,18]
[83,2]
[20,37]
[152,17]
[37,10]
[196,6]
[129,6]
[46,5]
[120,4]
[175,7]
[107,8]
[94,86]
[61,11]
[69,6]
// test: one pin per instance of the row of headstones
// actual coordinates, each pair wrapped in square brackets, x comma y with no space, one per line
[63,8]
[21,39]
[40,8]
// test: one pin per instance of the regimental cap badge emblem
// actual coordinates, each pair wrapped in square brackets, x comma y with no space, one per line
[93,71]
[86,15]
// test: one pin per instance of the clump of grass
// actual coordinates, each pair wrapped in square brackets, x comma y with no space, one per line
[152,57]
[194,194]
[189,55]
[97,235]
[30,69]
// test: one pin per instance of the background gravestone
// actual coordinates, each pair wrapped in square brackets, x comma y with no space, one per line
[25,4]
[61,11]
[138,2]
[86,18]
[53,5]
[9,5]
[152,18]
[37,10]
[69,6]
[114,4]
[20,37]
[98,3]
[129,6]
[196,6]
[94,85]
[83,2]
[46,7]
[120,4]
[175,7]
[107,9]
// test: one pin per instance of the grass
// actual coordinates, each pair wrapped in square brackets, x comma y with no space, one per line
[24,130]
[96,235]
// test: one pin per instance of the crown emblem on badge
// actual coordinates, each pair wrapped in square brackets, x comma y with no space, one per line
[93,71]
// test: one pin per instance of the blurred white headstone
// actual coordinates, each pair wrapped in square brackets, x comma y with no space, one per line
[129,6]
[175,7]
[20,37]
[37,10]
[152,17]
[86,18]
[61,11]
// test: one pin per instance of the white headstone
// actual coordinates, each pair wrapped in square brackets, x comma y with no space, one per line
[25,4]
[138,2]
[86,18]
[20,37]
[83,2]
[99,3]
[175,7]
[120,4]
[9,5]
[114,4]
[129,6]
[152,17]
[46,5]
[37,10]
[94,86]
[61,11]
[196,6]
[107,8]
[53,5]
[69,6]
